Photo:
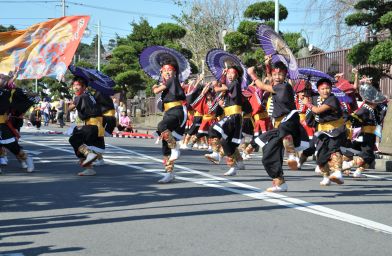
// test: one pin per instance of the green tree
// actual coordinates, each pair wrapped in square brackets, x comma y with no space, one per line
[5,29]
[265,11]
[376,16]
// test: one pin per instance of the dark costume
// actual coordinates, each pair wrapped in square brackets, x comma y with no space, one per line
[108,111]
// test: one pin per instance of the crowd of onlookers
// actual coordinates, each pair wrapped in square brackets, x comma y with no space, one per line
[57,113]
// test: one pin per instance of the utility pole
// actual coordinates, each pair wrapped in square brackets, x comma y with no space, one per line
[277,16]
[99,45]
[63,4]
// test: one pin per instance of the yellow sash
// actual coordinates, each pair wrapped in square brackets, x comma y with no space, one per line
[328,126]
[247,116]
[98,122]
[302,117]
[110,112]
[278,120]
[169,105]
[233,110]
[208,117]
[197,114]
[3,118]
[369,129]
[260,116]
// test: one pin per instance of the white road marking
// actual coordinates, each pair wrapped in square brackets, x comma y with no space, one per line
[249,191]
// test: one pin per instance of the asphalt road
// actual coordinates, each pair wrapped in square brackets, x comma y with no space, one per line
[124,211]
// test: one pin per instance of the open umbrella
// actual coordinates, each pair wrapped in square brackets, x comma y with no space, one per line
[312,74]
[371,94]
[94,78]
[273,44]
[218,59]
[152,58]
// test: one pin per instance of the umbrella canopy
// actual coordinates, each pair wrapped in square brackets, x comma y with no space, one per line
[274,45]
[342,97]
[94,78]
[217,60]
[344,85]
[313,74]
[152,58]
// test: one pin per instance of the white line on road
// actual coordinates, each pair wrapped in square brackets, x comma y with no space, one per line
[249,191]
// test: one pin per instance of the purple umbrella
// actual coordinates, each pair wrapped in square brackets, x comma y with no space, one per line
[342,97]
[312,74]
[94,78]
[217,60]
[152,58]
[273,44]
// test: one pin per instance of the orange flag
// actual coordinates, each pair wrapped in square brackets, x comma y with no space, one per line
[44,49]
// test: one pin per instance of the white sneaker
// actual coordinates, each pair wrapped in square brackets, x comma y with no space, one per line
[209,149]
[347,165]
[167,178]
[231,172]
[87,172]
[189,147]
[317,170]
[195,145]
[214,157]
[293,162]
[337,177]
[30,164]
[245,156]
[183,146]
[240,165]
[3,161]
[175,153]
[157,141]
[282,188]
[358,174]
[91,157]
[23,164]
[325,182]
[99,162]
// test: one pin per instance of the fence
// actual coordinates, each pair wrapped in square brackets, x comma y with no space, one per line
[336,62]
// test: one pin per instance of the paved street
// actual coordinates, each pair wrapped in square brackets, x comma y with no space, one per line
[124,211]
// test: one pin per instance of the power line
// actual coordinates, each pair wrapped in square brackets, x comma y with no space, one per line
[24,2]
[119,10]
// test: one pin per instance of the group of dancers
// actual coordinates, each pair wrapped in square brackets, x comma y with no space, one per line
[279,116]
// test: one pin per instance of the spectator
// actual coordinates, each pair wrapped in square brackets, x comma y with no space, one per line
[60,113]
[121,108]
[116,107]
[53,114]
[124,123]
[35,117]
[46,108]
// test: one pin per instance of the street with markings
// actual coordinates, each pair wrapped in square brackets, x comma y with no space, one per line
[124,211]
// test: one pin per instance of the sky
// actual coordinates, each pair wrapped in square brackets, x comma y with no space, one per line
[116,15]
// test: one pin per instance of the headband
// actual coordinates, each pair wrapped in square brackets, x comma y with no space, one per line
[235,70]
[279,70]
[169,67]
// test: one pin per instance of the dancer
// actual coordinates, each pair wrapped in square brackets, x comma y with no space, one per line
[286,122]
[331,132]
[8,134]
[172,127]
[87,140]
[227,132]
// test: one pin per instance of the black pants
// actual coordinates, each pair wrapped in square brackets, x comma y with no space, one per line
[273,149]
[195,125]
[60,118]
[173,120]
[87,134]
[8,140]
[230,132]
[109,123]
[366,147]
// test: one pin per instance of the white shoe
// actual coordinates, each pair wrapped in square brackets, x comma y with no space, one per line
[358,174]
[293,162]
[195,145]
[282,188]
[214,157]
[183,146]
[175,153]
[157,141]
[189,147]
[30,164]
[3,161]
[23,164]
[99,162]
[204,146]
[167,178]
[347,165]
[209,149]
[337,177]
[317,170]
[240,165]
[91,157]
[87,172]
[231,172]
[325,182]
[245,156]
